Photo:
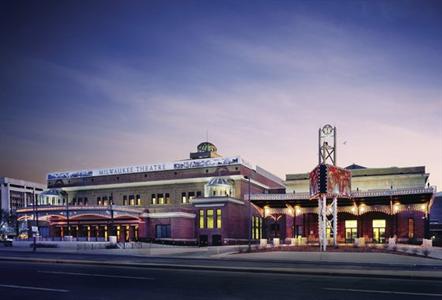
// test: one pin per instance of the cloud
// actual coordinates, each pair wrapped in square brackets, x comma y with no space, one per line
[263,97]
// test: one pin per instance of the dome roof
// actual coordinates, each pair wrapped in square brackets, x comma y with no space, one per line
[207,147]
[216,181]
[355,167]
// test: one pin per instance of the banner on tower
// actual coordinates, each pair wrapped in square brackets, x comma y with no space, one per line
[330,180]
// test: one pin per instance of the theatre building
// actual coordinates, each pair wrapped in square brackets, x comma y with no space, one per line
[205,200]
[197,200]
[384,202]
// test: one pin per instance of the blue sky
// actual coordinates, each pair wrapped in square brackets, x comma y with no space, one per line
[112,83]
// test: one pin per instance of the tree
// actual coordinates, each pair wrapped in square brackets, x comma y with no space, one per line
[8,221]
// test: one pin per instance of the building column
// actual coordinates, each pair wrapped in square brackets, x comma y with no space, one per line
[5,201]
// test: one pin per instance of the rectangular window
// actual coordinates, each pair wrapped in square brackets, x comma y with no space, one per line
[256,227]
[105,203]
[351,230]
[125,200]
[198,194]
[351,223]
[219,221]
[99,201]
[162,231]
[138,200]
[153,200]
[131,200]
[183,198]
[378,231]
[85,201]
[253,227]
[209,218]
[378,223]
[410,228]
[201,223]
[167,198]
[74,201]
[191,195]
[328,231]
[160,199]
[260,228]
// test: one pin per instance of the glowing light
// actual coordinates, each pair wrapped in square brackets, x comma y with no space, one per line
[423,206]
[298,210]
[396,207]
[266,210]
[290,210]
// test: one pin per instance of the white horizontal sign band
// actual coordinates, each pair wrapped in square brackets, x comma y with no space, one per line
[177,165]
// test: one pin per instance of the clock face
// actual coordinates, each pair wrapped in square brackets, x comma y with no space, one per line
[327,129]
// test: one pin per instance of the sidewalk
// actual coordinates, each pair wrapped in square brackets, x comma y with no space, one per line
[284,262]
[146,249]
[359,258]
[231,253]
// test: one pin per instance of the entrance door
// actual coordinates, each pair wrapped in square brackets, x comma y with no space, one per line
[203,240]
[216,240]
[274,230]
[379,231]
[351,230]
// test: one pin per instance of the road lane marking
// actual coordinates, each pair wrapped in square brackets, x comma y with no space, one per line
[97,275]
[383,292]
[36,288]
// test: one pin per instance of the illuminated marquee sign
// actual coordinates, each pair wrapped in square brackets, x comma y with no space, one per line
[178,165]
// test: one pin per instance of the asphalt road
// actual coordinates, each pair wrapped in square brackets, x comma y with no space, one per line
[55,281]
[228,262]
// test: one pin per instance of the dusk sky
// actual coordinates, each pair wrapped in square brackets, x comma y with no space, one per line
[91,84]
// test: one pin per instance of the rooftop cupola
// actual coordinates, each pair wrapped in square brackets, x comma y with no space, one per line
[205,150]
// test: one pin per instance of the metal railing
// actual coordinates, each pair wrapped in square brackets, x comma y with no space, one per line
[354,194]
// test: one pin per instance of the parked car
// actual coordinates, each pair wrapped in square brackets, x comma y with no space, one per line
[6,241]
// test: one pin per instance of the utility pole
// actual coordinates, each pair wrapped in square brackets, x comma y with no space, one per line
[249,247]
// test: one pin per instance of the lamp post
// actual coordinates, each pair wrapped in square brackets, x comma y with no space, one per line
[294,215]
[249,248]
[68,229]
[34,234]
[112,227]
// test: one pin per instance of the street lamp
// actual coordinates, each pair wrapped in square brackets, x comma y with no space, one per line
[249,248]
[34,234]
[68,228]
[112,227]
[295,212]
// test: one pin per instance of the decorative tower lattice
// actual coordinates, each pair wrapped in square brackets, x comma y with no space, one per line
[327,145]
[328,181]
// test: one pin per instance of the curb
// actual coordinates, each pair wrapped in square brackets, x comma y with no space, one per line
[285,271]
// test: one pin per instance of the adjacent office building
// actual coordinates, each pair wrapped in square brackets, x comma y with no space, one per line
[16,193]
